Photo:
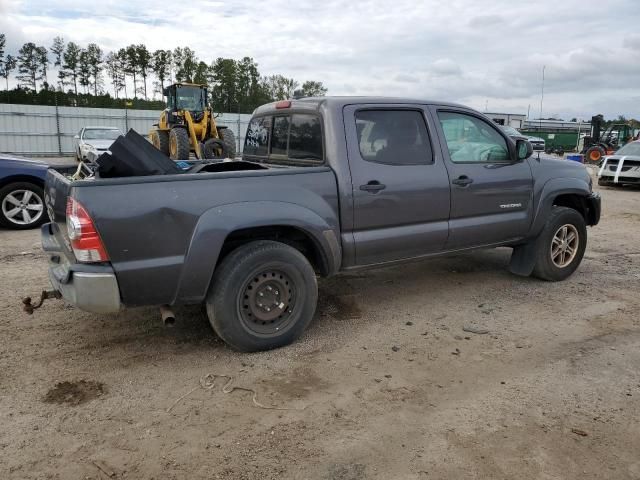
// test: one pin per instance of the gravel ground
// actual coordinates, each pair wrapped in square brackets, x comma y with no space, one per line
[386,383]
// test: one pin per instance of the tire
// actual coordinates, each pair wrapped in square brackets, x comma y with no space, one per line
[594,154]
[214,149]
[229,140]
[12,197]
[160,140]
[179,144]
[560,268]
[245,304]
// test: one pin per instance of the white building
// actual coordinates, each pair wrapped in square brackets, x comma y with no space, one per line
[514,120]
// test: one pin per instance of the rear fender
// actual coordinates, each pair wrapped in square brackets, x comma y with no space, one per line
[215,225]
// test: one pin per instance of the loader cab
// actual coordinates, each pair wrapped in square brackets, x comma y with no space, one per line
[186,96]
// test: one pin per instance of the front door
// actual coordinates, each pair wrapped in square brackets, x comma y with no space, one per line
[399,181]
[491,192]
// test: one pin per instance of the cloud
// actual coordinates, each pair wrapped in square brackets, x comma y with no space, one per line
[466,51]
[445,67]
[486,21]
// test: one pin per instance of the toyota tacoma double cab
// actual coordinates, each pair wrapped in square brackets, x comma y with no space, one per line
[325,185]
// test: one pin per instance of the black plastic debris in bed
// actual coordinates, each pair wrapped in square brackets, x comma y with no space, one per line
[133,156]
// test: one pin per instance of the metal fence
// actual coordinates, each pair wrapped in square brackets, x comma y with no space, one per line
[48,131]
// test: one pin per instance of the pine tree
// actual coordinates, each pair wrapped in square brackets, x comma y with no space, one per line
[95,61]
[29,65]
[144,65]
[161,64]
[57,48]
[71,65]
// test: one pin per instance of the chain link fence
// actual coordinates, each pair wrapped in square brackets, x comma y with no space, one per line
[41,130]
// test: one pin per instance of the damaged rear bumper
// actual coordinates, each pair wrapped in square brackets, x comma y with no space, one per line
[93,288]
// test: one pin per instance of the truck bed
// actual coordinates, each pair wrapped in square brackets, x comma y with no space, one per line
[157,228]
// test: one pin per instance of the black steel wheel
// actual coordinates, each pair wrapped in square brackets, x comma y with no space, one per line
[263,296]
[267,302]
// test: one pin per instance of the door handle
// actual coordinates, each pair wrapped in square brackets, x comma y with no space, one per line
[462,181]
[373,186]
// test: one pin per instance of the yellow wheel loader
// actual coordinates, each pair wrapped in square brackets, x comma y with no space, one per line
[188,125]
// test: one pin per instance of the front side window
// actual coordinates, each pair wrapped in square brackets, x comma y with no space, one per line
[471,140]
[393,137]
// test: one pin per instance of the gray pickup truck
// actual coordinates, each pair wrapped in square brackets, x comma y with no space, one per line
[325,185]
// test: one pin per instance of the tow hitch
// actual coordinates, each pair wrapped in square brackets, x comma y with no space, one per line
[45,295]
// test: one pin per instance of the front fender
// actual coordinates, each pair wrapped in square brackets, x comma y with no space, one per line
[552,189]
[215,225]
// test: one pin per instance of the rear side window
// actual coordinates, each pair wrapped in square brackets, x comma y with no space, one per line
[305,138]
[393,137]
[294,139]
[258,136]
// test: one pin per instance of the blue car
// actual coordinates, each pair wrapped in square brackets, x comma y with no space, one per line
[21,192]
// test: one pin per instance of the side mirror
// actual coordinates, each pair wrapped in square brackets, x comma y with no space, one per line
[523,149]
[77,137]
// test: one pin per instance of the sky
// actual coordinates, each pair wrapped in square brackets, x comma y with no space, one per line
[488,54]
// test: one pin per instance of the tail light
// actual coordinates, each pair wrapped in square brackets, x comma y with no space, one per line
[85,240]
[283,104]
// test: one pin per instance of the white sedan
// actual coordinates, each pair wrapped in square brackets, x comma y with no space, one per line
[96,140]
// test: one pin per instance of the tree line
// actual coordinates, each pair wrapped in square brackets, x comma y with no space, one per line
[136,77]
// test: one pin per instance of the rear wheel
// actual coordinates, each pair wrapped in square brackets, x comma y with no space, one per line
[263,296]
[179,145]
[160,140]
[594,154]
[229,140]
[561,245]
[22,206]
[215,149]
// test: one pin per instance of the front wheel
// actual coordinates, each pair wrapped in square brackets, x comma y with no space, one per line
[263,296]
[594,154]
[561,245]
[179,144]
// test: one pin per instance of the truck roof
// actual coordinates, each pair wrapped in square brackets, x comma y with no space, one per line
[314,103]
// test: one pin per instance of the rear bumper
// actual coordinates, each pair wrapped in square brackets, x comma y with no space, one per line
[93,288]
[594,204]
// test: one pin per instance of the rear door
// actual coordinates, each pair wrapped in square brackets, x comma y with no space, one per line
[399,182]
[491,194]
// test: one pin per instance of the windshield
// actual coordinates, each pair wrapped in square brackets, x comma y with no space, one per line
[632,148]
[101,134]
[190,98]
[510,131]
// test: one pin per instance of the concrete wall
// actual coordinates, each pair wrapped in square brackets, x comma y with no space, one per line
[44,130]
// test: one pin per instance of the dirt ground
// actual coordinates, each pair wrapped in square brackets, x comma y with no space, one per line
[385,384]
